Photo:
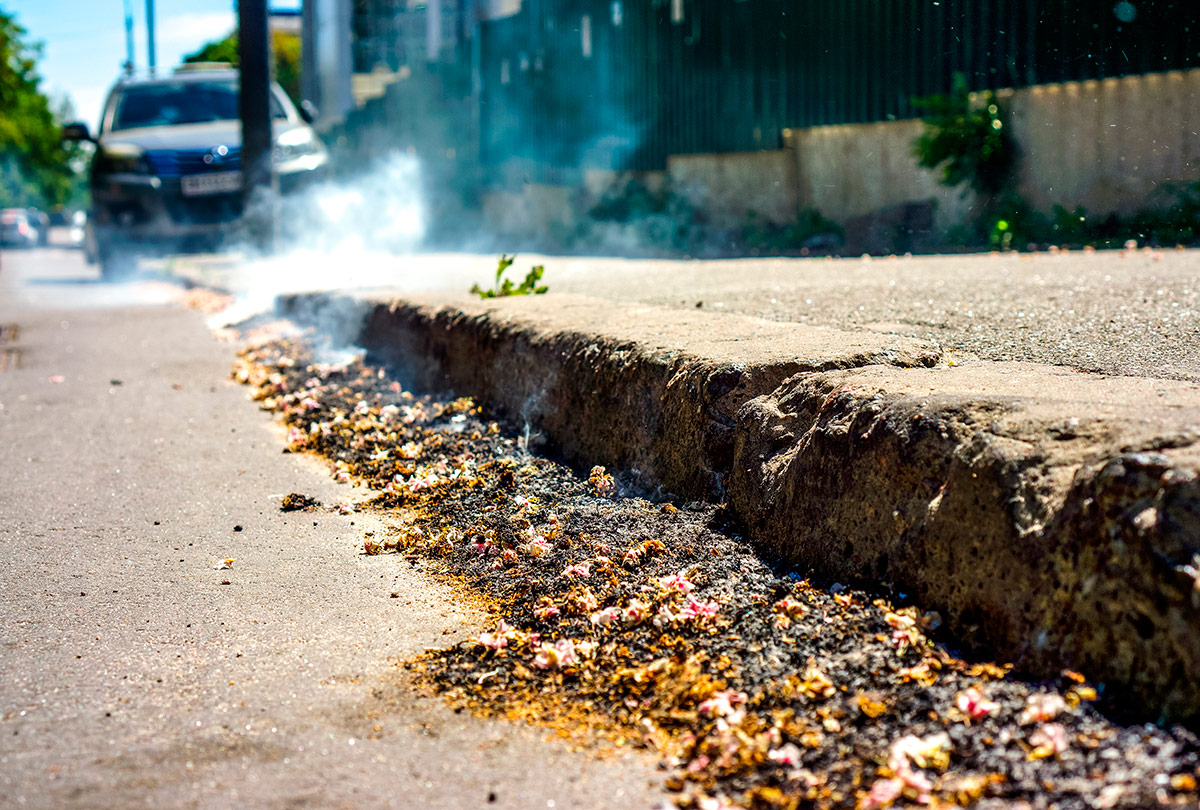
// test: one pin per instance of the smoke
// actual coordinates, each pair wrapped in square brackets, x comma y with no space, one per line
[337,234]
[379,210]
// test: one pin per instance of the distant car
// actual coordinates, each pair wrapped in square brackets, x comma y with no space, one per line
[77,229]
[167,171]
[17,228]
[41,221]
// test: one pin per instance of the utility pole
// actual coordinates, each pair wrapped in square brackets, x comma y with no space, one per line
[128,37]
[258,177]
[150,35]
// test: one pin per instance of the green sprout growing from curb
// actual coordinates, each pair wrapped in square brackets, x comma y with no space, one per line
[504,287]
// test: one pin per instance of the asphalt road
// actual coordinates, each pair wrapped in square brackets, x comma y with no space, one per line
[130,674]
[1128,313]
[1133,312]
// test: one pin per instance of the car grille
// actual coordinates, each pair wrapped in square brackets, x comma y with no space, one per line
[177,162]
[211,209]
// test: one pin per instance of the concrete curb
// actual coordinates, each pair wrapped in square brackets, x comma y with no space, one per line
[1051,516]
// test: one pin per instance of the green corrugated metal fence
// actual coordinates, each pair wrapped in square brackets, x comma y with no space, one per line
[577,84]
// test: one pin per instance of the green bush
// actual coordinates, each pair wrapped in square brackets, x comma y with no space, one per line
[769,237]
[1012,224]
[965,139]
[630,202]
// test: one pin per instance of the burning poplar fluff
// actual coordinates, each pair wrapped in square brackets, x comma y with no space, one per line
[622,621]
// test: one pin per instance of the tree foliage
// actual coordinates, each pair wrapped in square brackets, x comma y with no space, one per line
[285,50]
[36,168]
[965,138]
[222,50]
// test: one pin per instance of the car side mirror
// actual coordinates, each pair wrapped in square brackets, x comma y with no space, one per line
[308,111]
[77,132]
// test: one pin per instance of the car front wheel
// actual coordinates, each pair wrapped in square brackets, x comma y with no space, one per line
[115,262]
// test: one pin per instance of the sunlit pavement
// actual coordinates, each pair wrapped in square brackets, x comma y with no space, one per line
[58,277]
[1124,312]
[135,669]
[1133,312]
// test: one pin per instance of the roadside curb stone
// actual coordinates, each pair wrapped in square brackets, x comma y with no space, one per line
[1050,516]
[631,387]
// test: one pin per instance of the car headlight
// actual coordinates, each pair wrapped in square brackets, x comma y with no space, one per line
[121,158]
[295,144]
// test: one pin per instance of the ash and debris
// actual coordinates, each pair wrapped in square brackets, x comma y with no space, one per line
[298,502]
[654,625]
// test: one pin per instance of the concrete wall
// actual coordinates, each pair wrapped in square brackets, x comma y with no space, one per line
[598,182]
[530,210]
[1108,145]
[848,171]
[728,188]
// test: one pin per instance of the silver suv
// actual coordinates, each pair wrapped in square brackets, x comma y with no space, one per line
[166,174]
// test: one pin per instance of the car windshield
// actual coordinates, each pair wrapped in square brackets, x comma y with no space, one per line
[183,102]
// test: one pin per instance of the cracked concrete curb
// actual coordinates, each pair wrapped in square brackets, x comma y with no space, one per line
[635,388]
[1051,516]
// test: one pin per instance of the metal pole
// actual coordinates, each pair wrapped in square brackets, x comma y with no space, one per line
[310,88]
[129,36]
[258,181]
[150,35]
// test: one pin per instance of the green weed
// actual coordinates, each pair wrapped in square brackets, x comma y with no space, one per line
[504,287]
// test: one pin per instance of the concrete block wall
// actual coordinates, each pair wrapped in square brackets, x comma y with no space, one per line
[729,188]
[532,209]
[850,170]
[1110,145]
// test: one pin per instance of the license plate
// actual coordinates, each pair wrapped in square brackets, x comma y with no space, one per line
[195,185]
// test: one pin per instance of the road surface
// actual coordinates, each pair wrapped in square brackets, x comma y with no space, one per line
[130,674]
[1125,312]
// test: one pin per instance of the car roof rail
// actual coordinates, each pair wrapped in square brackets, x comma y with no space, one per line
[197,67]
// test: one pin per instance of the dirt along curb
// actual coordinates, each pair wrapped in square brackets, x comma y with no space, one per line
[1052,517]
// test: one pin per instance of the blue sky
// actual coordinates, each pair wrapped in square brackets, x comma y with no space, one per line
[84,40]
